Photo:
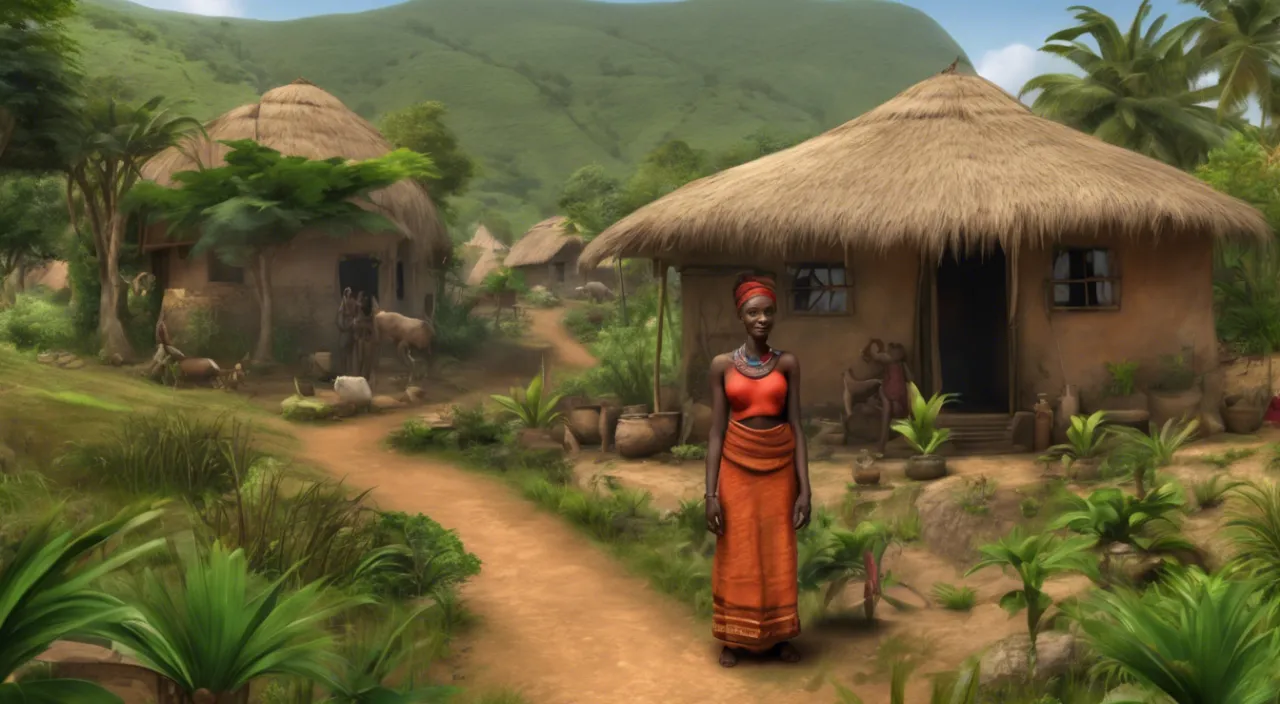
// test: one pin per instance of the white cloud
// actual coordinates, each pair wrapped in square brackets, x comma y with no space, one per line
[1012,66]
[211,8]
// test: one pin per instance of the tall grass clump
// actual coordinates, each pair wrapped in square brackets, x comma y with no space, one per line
[169,454]
[34,322]
[459,333]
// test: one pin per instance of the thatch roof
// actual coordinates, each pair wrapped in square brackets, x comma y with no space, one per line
[484,240]
[953,162]
[542,242]
[490,261]
[300,119]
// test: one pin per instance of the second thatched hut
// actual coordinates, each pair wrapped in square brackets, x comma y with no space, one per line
[1011,255]
[547,255]
[399,268]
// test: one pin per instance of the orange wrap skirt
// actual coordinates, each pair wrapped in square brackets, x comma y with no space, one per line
[753,577]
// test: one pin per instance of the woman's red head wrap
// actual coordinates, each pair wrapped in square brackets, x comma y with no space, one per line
[756,286]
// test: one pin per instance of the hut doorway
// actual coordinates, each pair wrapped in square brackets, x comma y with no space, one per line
[358,273]
[973,346]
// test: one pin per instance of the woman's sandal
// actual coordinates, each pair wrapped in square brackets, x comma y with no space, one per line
[728,658]
[788,653]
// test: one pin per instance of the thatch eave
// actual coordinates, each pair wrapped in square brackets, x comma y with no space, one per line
[953,163]
[542,243]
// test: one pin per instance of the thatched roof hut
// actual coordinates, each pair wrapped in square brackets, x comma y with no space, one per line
[301,119]
[489,261]
[952,162]
[543,242]
[485,241]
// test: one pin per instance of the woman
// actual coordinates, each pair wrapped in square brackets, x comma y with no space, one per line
[757,485]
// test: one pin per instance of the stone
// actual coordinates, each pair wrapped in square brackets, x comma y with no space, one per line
[47,357]
[63,358]
[115,360]
[74,364]
[415,394]
[1058,654]
[354,390]
[382,402]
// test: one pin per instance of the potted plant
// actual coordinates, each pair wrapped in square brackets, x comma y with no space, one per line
[1176,393]
[921,432]
[1082,453]
[1242,413]
[534,411]
[865,471]
[1120,397]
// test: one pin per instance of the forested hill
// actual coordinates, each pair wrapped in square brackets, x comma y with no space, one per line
[538,88]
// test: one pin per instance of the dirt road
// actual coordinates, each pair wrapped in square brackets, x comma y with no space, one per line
[546,326]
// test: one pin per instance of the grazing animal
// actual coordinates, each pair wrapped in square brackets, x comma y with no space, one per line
[595,290]
[232,379]
[141,284]
[407,334]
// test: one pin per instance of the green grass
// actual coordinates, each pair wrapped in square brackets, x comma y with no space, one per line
[538,88]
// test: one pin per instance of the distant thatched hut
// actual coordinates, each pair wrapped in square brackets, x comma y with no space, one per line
[484,240]
[547,255]
[992,243]
[484,255]
[398,267]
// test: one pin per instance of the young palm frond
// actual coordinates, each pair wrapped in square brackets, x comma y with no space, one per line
[920,429]
[213,633]
[1254,528]
[1111,516]
[1210,493]
[530,406]
[1196,639]
[1154,449]
[46,595]
[372,657]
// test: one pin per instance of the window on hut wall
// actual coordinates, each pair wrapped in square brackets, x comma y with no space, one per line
[818,289]
[1084,278]
[221,272]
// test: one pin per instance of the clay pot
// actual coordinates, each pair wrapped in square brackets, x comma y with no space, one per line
[1132,402]
[868,476]
[609,416]
[1165,405]
[1085,469]
[645,436]
[584,422]
[1138,419]
[638,409]
[926,467]
[536,439]
[1242,419]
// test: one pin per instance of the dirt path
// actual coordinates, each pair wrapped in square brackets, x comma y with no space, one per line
[560,619]
[546,325]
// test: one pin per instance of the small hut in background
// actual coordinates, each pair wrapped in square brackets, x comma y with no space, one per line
[484,253]
[400,268]
[547,255]
[485,241]
[1010,254]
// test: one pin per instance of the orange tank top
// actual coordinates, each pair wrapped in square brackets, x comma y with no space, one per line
[755,398]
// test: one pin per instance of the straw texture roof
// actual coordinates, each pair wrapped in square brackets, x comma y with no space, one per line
[542,242]
[953,162]
[483,239]
[490,260]
[300,119]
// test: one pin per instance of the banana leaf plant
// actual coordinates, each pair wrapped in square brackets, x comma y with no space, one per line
[1154,449]
[1086,438]
[530,406]
[1112,517]
[831,558]
[921,428]
[47,595]
[212,634]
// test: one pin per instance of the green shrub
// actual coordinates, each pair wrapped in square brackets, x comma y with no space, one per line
[435,562]
[690,452]
[541,297]
[954,598]
[459,334]
[33,322]
[170,454]
[586,322]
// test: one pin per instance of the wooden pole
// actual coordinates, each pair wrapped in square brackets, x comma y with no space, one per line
[657,357]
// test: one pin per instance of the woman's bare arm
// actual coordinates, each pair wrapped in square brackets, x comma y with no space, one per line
[797,424]
[719,423]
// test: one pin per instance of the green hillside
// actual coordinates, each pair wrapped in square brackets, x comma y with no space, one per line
[538,88]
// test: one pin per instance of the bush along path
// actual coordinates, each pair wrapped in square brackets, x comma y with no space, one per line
[560,620]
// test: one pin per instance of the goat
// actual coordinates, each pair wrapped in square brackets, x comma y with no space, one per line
[595,290]
[405,333]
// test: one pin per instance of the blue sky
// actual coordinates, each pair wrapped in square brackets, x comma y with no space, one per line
[1000,36]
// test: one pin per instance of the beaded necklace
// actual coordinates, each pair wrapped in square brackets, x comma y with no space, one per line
[755,368]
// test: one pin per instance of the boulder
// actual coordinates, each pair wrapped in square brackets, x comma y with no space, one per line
[73,364]
[353,390]
[382,402]
[1058,654]
[945,526]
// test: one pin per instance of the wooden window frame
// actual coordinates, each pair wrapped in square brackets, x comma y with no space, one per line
[847,287]
[1115,279]
[214,263]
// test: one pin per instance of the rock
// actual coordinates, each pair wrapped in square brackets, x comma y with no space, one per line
[1058,654]
[945,527]
[354,390]
[415,394]
[383,402]
[115,360]
[301,408]
[64,358]
[73,364]
[47,357]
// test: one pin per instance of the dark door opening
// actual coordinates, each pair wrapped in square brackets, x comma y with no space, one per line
[973,332]
[399,281]
[358,274]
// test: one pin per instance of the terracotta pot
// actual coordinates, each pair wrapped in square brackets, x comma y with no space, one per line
[536,439]
[1138,419]
[866,477]
[1085,469]
[638,409]
[1177,404]
[645,436]
[584,422]
[1132,402]
[609,416]
[926,467]
[1242,419]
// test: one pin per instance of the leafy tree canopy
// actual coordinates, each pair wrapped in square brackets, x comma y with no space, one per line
[421,128]
[39,95]
[19,13]
[32,218]
[1245,169]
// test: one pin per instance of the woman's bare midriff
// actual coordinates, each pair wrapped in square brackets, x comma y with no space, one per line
[762,422]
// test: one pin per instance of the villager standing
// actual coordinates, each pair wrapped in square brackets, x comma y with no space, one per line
[758,492]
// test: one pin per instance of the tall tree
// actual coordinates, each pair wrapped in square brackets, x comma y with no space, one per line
[32,216]
[592,200]
[253,207]
[39,80]
[1241,40]
[112,144]
[1139,88]
[421,128]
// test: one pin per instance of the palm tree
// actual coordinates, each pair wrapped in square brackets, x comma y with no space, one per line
[1195,639]
[1138,90]
[1241,39]
[212,635]
[113,142]
[46,596]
